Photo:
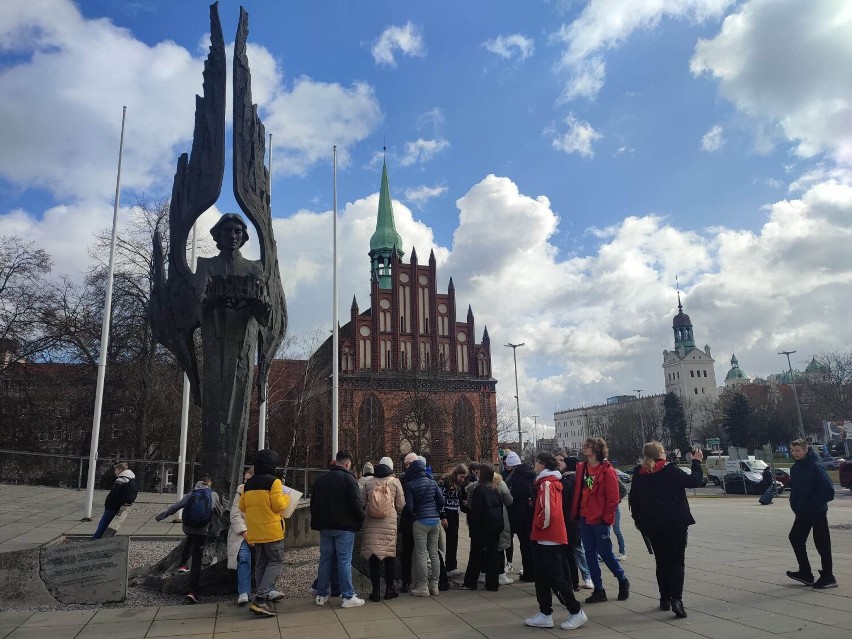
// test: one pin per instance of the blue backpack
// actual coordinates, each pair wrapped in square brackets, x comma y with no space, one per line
[198,511]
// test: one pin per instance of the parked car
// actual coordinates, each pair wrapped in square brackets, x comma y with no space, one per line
[831,463]
[747,484]
[688,471]
[846,474]
[783,475]
[624,477]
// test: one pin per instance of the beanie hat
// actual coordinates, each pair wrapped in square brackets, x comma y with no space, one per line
[368,469]
[512,460]
[386,461]
[410,457]
[421,458]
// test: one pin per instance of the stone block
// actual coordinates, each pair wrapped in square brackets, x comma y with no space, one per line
[89,572]
[20,582]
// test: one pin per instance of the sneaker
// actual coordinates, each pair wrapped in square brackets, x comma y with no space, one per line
[623,589]
[274,595]
[621,556]
[419,591]
[321,600]
[262,609]
[243,599]
[588,585]
[825,581]
[353,602]
[434,590]
[504,580]
[183,569]
[192,598]
[457,573]
[802,577]
[574,621]
[597,596]
[540,620]
[508,566]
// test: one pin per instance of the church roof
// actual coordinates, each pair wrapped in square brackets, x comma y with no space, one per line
[385,236]
[681,319]
[736,372]
[816,367]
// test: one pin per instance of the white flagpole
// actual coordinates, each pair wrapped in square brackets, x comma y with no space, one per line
[261,418]
[335,347]
[184,415]
[105,324]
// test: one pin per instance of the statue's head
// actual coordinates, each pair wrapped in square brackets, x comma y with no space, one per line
[230,232]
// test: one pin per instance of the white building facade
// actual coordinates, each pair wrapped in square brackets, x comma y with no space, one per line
[688,371]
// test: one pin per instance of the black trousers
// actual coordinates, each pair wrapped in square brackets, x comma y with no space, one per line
[802,526]
[194,547]
[572,571]
[670,554]
[376,566]
[483,558]
[406,552]
[522,528]
[550,576]
[452,532]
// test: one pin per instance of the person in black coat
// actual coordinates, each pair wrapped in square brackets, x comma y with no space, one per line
[659,507]
[486,524]
[810,491]
[520,481]
[122,493]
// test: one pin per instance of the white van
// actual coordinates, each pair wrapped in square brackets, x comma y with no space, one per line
[720,465]
[717,467]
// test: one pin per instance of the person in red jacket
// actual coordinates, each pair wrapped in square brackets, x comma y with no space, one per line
[595,499]
[550,541]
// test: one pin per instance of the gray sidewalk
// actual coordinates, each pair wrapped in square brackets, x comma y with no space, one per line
[735,589]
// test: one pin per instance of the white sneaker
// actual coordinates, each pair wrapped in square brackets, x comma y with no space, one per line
[621,556]
[421,590]
[540,621]
[243,599]
[482,577]
[455,573]
[504,580]
[574,621]
[321,600]
[588,585]
[508,566]
[274,595]
[353,602]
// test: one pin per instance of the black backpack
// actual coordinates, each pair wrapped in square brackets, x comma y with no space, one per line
[198,510]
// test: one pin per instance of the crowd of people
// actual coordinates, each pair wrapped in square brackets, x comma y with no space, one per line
[561,510]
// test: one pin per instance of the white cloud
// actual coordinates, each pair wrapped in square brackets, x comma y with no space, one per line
[406,39]
[779,61]
[422,151]
[578,138]
[511,46]
[422,194]
[713,140]
[607,24]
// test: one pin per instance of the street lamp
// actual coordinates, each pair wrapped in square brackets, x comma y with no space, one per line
[641,421]
[795,394]
[535,433]
[514,348]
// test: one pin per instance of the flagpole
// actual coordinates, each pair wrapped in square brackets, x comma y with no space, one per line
[184,416]
[335,357]
[261,418]
[105,324]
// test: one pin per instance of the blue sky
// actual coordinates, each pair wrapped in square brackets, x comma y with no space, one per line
[564,159]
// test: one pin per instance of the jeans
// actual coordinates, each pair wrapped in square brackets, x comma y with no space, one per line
[426,545]
[268,563]
[334,579]
[244,569]
[616,528]
[596,541]
[802,526]
[194,547]
[452,539]
[580,557]
[670,554]
[106,518]
[549,576]
[339,543]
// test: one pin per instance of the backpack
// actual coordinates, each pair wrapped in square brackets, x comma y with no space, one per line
[198,512]
[380,503]
[622,490]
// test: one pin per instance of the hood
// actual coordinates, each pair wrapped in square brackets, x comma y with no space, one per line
[382,470]
[265,462]
[416,469]
[658,466]
[525,470]
[200,484]
[128,474]
[545,474]
[498,479]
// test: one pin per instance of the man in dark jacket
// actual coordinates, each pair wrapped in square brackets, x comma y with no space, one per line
[810,491]
[336,512]
[424,503]
[520,481]
[123,493]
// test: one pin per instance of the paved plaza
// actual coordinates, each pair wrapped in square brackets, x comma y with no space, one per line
[735,588]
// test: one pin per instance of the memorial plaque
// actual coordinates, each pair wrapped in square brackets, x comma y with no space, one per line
[88,572]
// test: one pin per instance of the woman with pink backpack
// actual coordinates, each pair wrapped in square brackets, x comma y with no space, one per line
[383,500]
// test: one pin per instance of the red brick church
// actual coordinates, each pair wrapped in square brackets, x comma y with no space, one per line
[412,376]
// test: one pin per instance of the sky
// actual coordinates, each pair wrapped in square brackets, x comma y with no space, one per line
[565,160]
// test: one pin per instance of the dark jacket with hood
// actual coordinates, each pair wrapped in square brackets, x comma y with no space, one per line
[521,484]
[423,498]
[123,491]
[810,486]
[336,501]
[657,499]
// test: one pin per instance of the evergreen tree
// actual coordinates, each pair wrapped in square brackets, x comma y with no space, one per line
[674,422]
[738,420]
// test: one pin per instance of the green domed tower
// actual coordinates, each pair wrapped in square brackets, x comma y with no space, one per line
[385,242]
[736,375]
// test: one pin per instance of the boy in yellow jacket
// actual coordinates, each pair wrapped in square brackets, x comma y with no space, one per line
[263,502]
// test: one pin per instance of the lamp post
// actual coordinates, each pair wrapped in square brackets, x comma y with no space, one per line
[795,394]
[535,433]
[514,348]
[641,421]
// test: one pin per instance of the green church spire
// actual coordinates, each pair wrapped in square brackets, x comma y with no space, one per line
[385,240]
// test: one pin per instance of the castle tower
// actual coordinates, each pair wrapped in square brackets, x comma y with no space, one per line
[688,370]
[385,242]
[735,375]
